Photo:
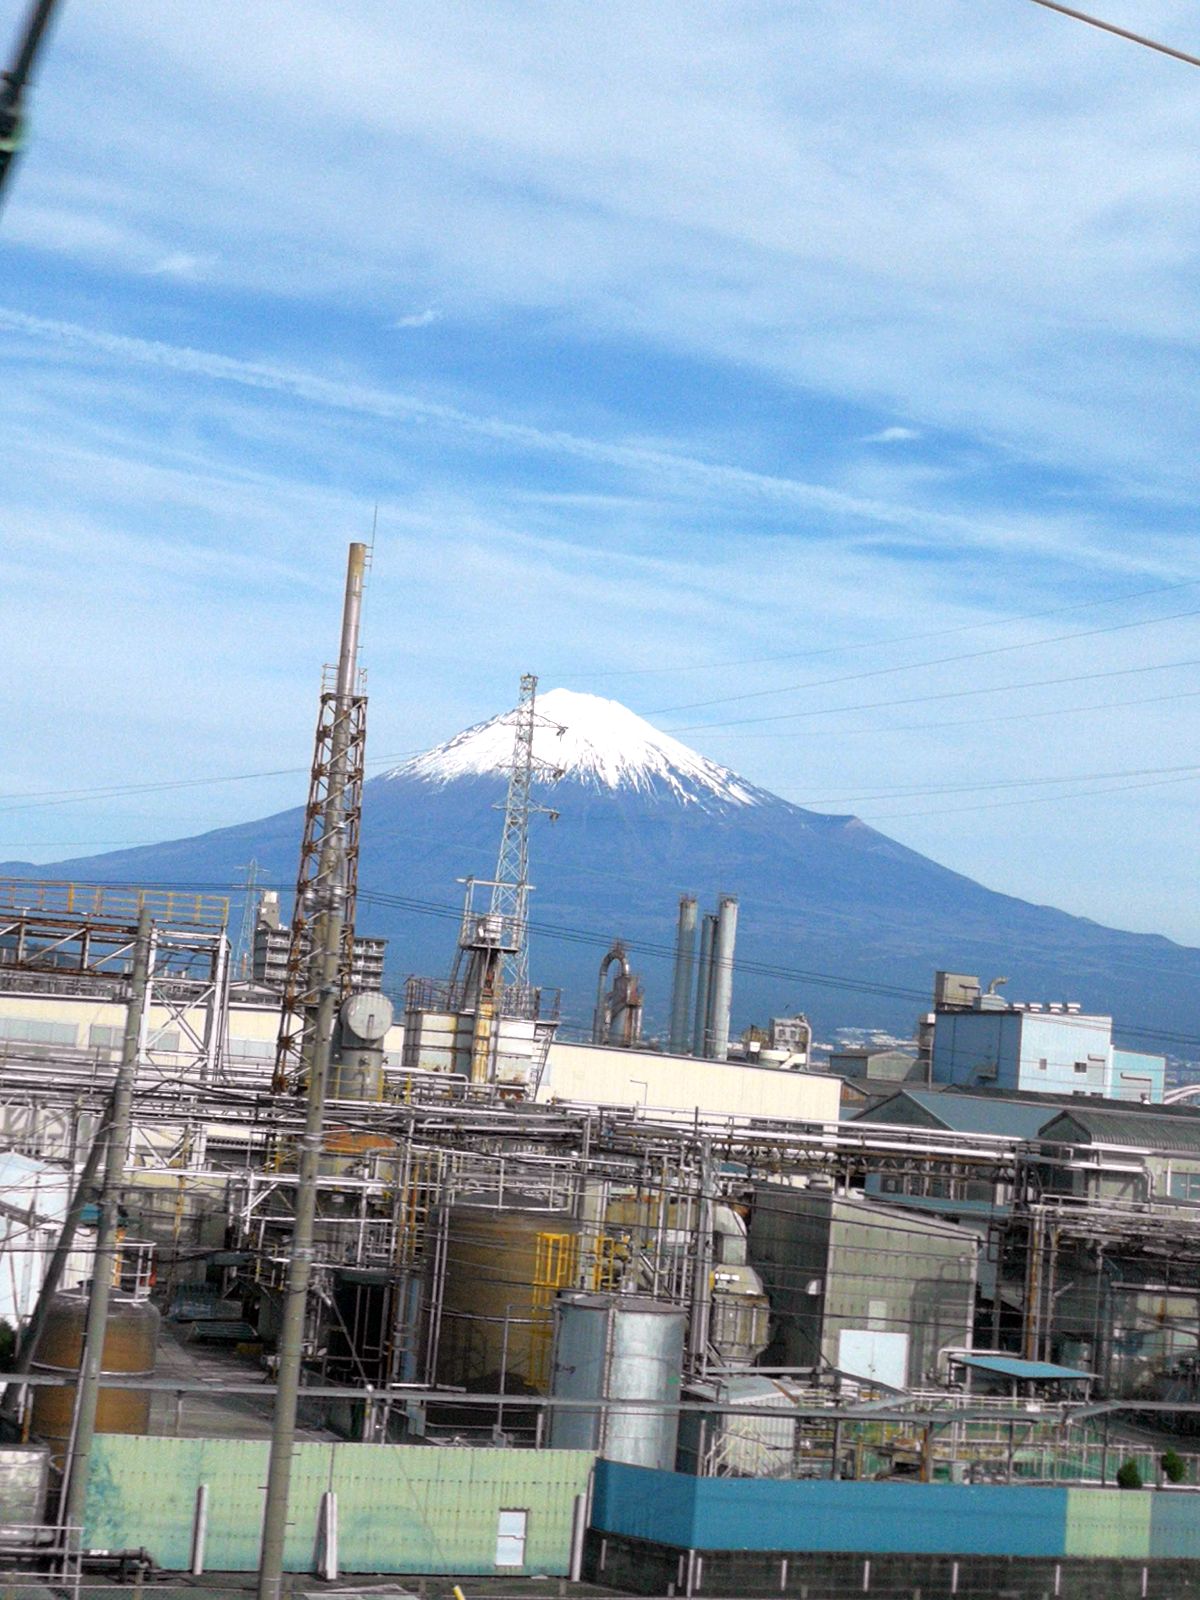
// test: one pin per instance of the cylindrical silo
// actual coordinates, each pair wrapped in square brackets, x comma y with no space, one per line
[722,976]
[130,1347]
[503,1265]
[681,987]
[626,1353]
[700,1030]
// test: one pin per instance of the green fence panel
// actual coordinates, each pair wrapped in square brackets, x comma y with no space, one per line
[401,1508]
[1108,1522]
[407,1509]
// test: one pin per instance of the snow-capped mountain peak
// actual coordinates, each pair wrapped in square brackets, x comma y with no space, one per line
[592,741]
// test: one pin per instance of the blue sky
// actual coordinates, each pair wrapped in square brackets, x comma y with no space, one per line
[668,340]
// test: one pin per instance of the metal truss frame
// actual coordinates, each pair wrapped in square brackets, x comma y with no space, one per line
[341,725]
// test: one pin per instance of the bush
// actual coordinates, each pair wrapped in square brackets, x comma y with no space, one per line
[1128,1476]
[1174,1467]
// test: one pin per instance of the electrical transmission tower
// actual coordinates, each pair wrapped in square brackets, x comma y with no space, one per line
[510,891]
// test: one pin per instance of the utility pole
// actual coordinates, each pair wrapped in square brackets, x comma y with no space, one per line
[329,908]
[13,84]
[104,1269]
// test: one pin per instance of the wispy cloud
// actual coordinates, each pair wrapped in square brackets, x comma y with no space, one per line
[417,319]
[669,469]
[181,264]
[893,435]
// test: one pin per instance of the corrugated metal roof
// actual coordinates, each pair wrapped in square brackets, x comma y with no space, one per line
[1014,1367]
[1146,1130]
[969,1113]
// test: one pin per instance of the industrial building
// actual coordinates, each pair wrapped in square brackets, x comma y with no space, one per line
[983,1039]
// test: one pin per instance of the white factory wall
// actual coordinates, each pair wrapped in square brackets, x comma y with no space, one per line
[86,1024]
[601,1075]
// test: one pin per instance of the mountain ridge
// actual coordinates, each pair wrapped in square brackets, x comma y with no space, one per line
[642,819]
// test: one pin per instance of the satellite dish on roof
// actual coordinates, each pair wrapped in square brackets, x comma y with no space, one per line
[367,1015]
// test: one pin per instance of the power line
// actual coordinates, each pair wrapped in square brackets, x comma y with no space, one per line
[1035,800]
[917,791]
[976,722]
[34,799]
[875,644]
[916,666]
[1121,33]
[946,694]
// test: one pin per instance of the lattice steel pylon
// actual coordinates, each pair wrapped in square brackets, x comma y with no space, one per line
[510,890]
[329,848]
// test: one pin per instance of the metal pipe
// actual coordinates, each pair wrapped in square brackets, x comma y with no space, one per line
[199,1531]
[721,1001]
[708,933]
[681,986]
[324,968]
[103,1269]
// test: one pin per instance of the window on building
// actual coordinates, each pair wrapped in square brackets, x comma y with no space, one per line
[1185,1186]
[257,1049]
[510,1538]
[167,1043]
[103,1037]
[31,1031]
[1081,1066]
[1042,1064]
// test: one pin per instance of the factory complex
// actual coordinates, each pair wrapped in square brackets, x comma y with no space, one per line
[307,1274]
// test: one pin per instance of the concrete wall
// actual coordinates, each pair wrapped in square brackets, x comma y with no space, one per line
[599,1075]
[401,1508]
[668,1508]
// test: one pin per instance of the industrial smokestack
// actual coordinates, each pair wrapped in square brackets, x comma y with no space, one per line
[721,1001]
[681,988]
[700,1030]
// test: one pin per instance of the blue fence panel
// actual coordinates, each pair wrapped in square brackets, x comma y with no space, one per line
[765,1514]
[643,1503]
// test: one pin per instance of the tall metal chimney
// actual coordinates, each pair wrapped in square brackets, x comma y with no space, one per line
[681,988]
[721,1001]
[703,1014]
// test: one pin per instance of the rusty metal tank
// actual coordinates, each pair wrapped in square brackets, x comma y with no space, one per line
[504,1263]
[130,1346]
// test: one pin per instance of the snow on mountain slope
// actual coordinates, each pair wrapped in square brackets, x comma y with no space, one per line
[596,742]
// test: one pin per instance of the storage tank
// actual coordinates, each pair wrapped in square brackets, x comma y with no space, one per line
[618,1348]
[504,1263]
[130,1346]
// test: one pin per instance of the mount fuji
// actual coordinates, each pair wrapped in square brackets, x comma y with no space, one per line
[836,919]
